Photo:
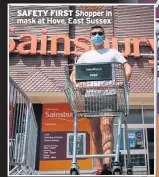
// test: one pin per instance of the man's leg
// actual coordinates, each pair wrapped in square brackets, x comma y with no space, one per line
[97,140]
[107,138]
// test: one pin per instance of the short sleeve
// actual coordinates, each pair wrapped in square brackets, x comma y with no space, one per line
[80,60]
[119,57]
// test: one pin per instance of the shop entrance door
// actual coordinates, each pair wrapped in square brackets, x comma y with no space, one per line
[150,136]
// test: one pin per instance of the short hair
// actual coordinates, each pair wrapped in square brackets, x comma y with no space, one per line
[93,27]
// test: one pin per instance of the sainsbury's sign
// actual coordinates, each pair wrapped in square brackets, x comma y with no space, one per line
[31,41]
[54,114]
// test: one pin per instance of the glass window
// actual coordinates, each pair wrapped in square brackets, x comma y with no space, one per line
[134,117]
[150,134]
[136,139]
[148,116]
[137,159]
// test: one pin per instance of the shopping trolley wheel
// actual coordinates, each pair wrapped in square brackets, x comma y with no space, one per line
[74,171]
[117,172]
[129,172]
[116,168]
[129,169]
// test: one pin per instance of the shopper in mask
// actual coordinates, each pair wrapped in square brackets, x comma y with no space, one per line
[102,129]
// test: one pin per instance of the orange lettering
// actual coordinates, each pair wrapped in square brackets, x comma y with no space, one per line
[106,43]
[12,29]
[43,44]
[137,46]
[66,44]
[127,47]
[32,43]
[151,42]
[12,45]
[81,45]
[115,43]
[151,62]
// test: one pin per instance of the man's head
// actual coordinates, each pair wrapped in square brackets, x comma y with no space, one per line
[97,35]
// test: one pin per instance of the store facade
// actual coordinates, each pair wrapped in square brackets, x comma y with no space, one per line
[38,69]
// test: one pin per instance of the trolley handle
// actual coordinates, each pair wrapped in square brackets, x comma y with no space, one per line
[84,85]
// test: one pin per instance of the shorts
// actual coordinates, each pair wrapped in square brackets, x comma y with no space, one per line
[102,103]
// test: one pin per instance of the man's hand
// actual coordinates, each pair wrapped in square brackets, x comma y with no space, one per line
[119,85]
[81,84]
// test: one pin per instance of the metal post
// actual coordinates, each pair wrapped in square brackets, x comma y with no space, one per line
[74,160]
[147,156]
[126,92]
[26,128]
[24,132]
[118,137]
[127,142]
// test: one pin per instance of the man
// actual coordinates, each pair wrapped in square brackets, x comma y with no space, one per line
[102,130]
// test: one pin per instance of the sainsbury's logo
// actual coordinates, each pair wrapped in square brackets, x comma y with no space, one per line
[93,69]
[58,114]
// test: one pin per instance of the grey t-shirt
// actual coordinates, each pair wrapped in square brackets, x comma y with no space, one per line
[98,56]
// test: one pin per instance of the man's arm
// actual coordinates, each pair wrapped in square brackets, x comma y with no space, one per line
[128,71]
[73,76]
[73,79]
[127,67]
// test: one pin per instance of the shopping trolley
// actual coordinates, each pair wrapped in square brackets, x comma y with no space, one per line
[91,97]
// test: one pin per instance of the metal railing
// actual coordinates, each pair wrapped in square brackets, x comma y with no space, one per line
[22,131]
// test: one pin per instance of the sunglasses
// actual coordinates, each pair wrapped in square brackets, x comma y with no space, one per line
[95,33]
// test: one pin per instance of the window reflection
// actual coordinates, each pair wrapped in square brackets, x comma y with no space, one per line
[136,140]
[135,116]
[148,116]
[137,160]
